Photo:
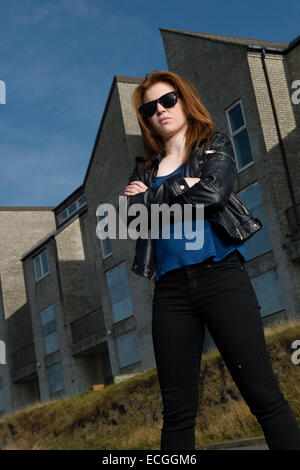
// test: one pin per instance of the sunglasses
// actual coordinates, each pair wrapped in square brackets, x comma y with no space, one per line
[167,101]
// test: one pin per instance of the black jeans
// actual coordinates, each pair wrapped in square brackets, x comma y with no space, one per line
[220,295]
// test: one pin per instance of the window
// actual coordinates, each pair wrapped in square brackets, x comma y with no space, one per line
[63,215]
[55,375]
[105,242]
[82,200]
[128,349]
[71,209]
[268,292]
[260,242]
[41,265]
[48,321]
[118,288]
[239,135]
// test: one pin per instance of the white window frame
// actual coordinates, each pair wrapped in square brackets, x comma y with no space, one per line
[39,257]
[60,217]
[240,129]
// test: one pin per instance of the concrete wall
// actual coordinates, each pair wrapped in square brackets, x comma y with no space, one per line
[119,143]
[20,229]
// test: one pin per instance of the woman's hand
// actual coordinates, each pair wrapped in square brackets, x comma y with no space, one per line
[135,187]
[192,181]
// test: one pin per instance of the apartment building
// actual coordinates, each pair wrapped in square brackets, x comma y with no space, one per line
[72,313]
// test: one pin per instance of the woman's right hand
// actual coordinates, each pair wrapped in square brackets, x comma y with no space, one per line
[192,181]
[135,187]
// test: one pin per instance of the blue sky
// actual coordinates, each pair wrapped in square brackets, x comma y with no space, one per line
[58,59]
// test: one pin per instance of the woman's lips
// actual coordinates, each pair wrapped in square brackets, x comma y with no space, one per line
[164,120]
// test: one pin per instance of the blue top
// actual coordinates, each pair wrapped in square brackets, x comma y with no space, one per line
[172,253]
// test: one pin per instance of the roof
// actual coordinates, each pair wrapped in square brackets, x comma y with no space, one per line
[232,39]
[117,78]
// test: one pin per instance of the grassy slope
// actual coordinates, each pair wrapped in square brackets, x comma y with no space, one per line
[128,415]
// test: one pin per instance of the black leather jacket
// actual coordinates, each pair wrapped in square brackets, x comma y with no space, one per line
[216,168]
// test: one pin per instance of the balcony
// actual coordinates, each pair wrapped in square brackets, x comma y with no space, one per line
[88,331]
[23,363]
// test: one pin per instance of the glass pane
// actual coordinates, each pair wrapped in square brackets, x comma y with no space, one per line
[48,315]
[117,283]
[44,262]
[268,292]
[56,380]
[260,242]
[63,215]
[38,272]
[128,350]
[236,118]
[122,309]
[81,200]
[51,343]
[72,208]
[49,328]
[242,148]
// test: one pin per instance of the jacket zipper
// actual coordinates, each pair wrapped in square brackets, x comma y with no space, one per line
[220,151]
[240,202]
[236,229]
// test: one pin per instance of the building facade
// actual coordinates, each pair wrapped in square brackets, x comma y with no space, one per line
[72,313]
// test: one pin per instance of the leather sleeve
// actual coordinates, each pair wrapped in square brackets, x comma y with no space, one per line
[169,189]
[217,177]
[213,190]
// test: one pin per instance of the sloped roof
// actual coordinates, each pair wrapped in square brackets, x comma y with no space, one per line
[232,39]
[117,78]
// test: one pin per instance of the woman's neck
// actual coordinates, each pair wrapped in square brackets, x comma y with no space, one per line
[175,147]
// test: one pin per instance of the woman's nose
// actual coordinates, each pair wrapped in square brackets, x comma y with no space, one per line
[160,108]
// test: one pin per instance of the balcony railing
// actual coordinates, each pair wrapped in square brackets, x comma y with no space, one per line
[23,357]
[88,325]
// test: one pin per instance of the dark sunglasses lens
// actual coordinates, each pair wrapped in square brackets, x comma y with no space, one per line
[148,109]
[168,100]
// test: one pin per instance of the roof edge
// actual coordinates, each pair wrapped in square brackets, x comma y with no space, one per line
[221,38]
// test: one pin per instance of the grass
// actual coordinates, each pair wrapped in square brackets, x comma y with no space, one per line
[128,415]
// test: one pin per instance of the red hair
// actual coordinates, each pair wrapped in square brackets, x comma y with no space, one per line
[200,125]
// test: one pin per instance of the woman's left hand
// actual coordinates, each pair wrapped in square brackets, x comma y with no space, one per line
[135,187]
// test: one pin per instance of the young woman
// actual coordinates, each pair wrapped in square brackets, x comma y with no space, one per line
[208,286]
